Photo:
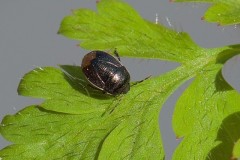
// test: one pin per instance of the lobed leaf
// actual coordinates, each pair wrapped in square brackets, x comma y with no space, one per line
[203,119]
[77,121]
[117,25]
[62,89]
[222,11]
[87,135]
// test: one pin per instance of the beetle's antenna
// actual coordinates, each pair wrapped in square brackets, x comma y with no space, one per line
[116,54]
[137,82]
[77,80]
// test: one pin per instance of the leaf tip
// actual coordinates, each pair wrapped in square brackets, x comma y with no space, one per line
[59,31]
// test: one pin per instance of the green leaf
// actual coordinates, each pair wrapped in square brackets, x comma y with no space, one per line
[224,12]
[127,32]
[62,89]
[87,135]
[236,150]
[200,119]
[231,127]
[136,138]
[77,121]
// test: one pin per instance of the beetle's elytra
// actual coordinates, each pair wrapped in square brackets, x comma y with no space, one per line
[105,72]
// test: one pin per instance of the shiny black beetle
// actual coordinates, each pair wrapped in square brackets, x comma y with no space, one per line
[105,72]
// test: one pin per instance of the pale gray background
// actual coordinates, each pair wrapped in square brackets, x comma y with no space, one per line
[28,39]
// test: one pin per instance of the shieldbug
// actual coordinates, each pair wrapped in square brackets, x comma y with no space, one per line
[105,72]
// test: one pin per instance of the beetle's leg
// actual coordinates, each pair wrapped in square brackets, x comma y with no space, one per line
[116,54]
[96,89]
[135,83]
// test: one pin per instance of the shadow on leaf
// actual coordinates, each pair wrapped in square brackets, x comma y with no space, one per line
[220,83]
[75,77]
[228,134]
